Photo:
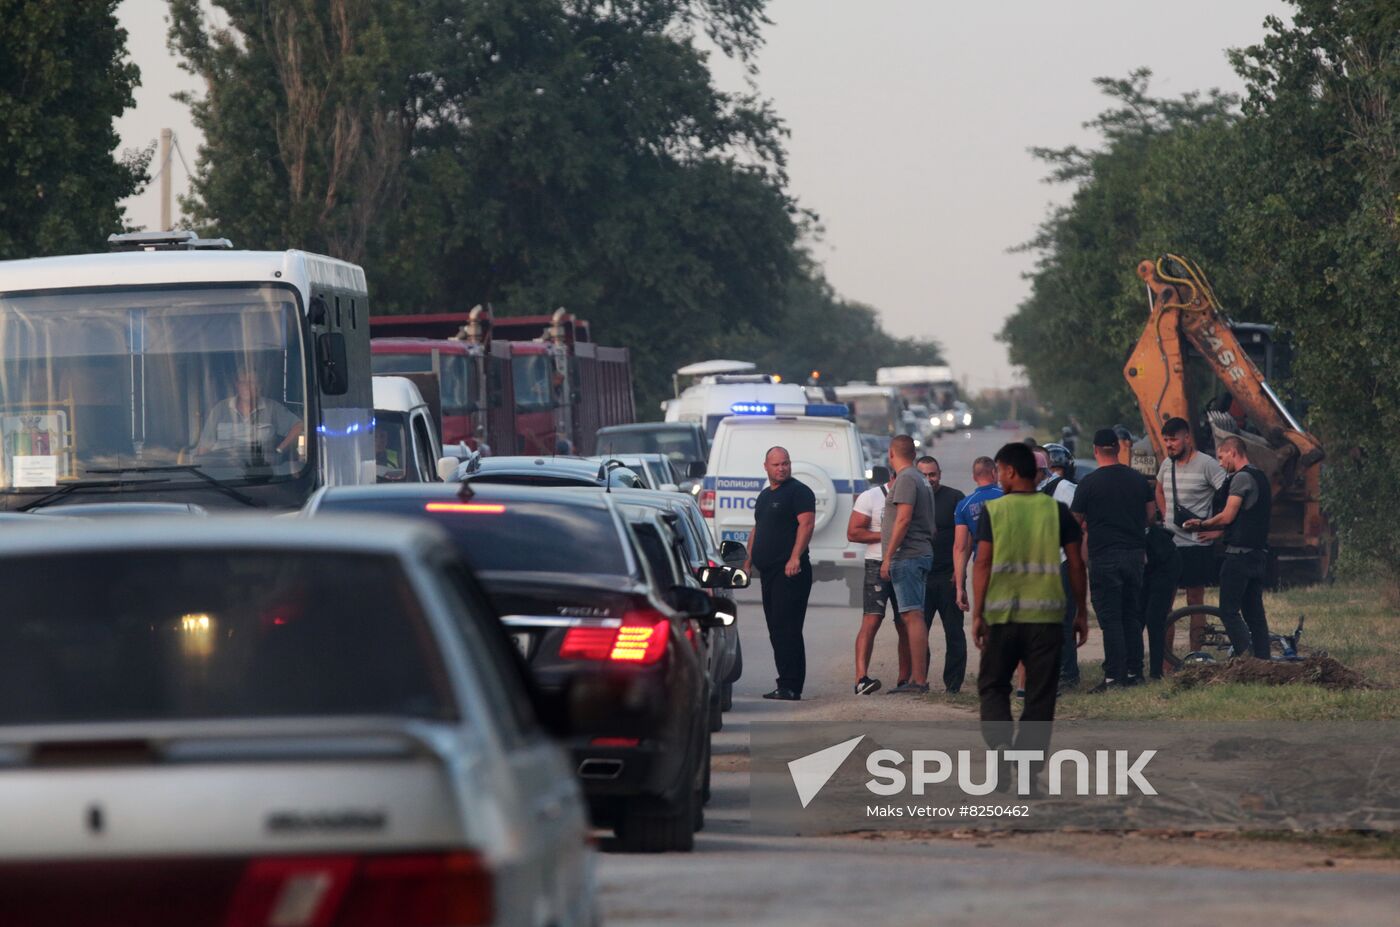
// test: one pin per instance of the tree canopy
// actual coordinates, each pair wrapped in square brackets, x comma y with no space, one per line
[527,153]
[1290,200]
[64,78]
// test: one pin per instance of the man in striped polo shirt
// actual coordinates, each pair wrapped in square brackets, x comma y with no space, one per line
[1019,604]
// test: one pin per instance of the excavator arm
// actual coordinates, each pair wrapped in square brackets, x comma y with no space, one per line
[1185,309]
[1183,305]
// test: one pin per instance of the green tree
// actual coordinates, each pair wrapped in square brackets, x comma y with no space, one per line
[307,118]
[1086,307]
[64,78]
[1316,232]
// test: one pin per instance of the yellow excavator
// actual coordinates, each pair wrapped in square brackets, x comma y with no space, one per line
[1185,314]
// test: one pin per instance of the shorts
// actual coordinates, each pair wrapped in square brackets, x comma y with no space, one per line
[910,579]
[877,591]
[1199,566]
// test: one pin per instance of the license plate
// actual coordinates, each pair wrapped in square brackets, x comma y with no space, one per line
[522,643]
[741,536]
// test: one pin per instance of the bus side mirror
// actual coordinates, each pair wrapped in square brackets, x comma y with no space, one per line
[331,364]
[318,311]
[695,470]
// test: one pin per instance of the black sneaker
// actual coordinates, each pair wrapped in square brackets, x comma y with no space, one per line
[783,695]
[1105,686]
[910,688]
[867,686]
[1131,680]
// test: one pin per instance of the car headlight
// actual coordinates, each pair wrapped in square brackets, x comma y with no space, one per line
[967,418]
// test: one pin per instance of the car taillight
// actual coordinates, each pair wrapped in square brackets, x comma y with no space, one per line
[641,639]
[707,503]
[400,890]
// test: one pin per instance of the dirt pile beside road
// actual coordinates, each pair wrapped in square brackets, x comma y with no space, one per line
[1321,671]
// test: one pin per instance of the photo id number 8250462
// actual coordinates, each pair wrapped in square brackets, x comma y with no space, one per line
[994,811]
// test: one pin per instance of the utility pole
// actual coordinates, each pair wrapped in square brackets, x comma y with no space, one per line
[166,137]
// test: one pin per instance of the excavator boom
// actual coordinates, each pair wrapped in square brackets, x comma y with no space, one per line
[1184,308]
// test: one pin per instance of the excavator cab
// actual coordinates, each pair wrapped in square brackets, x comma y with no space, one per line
[1188,345]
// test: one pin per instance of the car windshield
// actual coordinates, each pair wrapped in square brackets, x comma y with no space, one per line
[457,376]
[113,379]
[680,444]
[163,635]
[532,375]
[393,449]
[522,537]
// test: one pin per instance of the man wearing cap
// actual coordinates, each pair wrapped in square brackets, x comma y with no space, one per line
[1116,503]
[1053,462]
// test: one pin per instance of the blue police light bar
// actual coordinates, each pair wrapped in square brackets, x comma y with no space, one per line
[828,409]
[752,408]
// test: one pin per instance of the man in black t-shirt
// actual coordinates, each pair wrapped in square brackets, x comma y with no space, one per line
[1116,503]
[783,518]
[941,593]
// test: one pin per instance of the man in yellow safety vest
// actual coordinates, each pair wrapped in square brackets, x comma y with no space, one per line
[1019,604]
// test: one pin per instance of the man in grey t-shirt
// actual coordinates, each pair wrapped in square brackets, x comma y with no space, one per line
[1186,485]
[907,542]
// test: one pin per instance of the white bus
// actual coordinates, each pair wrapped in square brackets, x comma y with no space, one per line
[176,370]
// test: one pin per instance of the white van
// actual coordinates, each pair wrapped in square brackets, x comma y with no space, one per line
[406,435]
[709,401]
[826,457]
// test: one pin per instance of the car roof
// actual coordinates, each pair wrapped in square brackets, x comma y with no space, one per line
[243,532]
[586,496]
[121,509]
[650,426]
[395,394]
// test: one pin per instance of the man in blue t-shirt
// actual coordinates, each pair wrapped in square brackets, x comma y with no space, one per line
[984,474]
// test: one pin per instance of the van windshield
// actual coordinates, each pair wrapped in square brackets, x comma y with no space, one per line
[164,635]
[109,379]
[682,445]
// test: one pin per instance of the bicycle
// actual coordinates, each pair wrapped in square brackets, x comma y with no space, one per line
[1213,637]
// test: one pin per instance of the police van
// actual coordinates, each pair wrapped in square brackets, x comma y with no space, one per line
[826,457]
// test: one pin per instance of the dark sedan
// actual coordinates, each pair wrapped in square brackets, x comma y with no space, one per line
[565,571]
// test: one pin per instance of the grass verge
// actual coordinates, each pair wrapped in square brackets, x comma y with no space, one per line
[1351,620]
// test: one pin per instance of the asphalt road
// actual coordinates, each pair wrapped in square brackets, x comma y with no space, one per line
[736,876]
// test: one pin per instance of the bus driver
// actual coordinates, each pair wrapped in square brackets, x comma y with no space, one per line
[247,422]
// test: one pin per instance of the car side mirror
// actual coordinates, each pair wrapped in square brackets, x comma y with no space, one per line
[332,364]
[696,470]
[723,577]
[879,476]
[446,467]
[732,552]
[694,603]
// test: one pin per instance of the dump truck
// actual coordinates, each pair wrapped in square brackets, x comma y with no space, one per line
[1189,342]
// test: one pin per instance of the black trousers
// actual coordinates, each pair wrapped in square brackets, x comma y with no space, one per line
[1159,582]
[1037,646]
[785,611]
[1242,590]
[1115,585]
[941,596]
[1069,650]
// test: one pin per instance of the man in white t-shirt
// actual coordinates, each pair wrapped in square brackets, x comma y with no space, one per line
[1186,485]
[867,518]
[1056,467]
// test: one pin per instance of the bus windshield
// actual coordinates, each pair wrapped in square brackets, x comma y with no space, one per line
[876,415]
[457,376]
[532,376]
[95,382]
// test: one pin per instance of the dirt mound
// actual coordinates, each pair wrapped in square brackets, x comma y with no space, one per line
[1318,671]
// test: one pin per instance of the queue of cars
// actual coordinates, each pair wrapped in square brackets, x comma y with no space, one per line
[411,705]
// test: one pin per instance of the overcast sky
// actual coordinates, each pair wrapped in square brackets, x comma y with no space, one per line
[910,121]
